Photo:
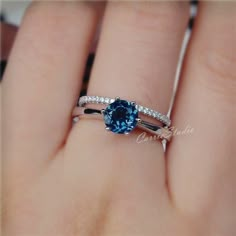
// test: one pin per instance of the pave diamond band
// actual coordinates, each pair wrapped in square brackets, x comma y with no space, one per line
[106,101]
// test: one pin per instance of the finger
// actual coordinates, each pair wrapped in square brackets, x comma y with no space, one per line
[136,60]
[43,80]
[202,163]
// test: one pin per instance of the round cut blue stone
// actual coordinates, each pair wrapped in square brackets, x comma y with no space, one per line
[121,116]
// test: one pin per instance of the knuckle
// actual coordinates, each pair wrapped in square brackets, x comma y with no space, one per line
[220,70]
[222,66]
[52,23]
[59,12]
[155,16]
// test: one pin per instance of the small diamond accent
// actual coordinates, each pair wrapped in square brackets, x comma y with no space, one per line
[153,114]
[158,115]
[107,100]
[140,108]
[149,112]
[161,118]
[145,111]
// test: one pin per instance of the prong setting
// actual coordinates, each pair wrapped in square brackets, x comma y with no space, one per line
[106,100]
[102,111]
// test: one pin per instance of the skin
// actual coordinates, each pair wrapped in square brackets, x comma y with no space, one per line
[63,181]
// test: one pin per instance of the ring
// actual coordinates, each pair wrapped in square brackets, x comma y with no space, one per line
[107,101]
[120,116]
[161,132]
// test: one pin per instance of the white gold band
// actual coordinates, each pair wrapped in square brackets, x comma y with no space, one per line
[162,133]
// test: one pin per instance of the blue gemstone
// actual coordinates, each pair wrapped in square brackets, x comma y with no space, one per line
[121,116]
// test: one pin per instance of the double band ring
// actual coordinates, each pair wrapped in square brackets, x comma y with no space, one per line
[107,101]
[121,116]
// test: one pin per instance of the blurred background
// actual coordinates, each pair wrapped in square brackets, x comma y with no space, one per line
[12,11]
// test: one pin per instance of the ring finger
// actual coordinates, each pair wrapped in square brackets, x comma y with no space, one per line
[136,60]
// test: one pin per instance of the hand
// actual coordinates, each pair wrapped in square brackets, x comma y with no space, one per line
[63,181]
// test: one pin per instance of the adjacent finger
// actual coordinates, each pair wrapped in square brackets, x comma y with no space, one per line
[202,165]
[43,79]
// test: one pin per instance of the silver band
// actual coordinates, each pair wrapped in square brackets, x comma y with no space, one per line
[161,132]
[144,110]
